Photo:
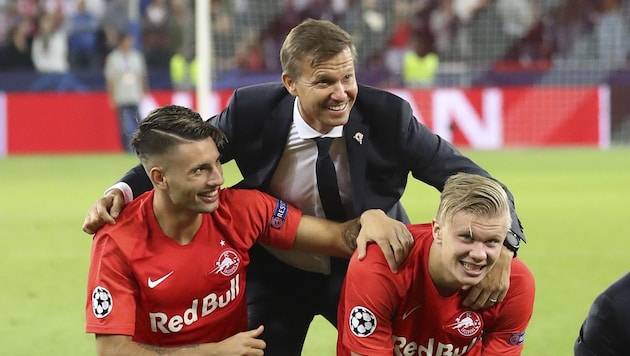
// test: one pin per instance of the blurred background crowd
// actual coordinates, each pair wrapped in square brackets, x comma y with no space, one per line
[399,42]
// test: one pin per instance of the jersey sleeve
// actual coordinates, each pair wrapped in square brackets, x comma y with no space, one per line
[369,300]
[274,222]
[507,334]
[110,307]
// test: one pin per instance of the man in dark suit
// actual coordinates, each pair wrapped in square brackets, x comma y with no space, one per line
[605,331]
[274,134]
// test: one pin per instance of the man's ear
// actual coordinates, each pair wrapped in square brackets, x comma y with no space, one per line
[156,174]
[289,84]
[435,227]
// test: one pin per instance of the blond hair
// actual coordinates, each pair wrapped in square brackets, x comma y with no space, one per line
[473,194]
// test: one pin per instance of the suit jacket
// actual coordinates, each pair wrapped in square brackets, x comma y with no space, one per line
[394,143]
[605,331]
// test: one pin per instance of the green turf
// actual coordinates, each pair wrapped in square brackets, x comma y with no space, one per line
[573,203]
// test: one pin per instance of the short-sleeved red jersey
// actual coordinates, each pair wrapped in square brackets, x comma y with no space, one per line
[143,284]
[381,313]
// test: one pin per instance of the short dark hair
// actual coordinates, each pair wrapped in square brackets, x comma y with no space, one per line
[172,125]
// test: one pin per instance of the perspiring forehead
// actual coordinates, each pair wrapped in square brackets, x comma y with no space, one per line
[478,227]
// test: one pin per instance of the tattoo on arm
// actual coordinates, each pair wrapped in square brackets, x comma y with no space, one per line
[350,233]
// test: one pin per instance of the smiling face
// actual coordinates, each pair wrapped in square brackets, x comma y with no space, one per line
[189,177]
[326,90]
[465,248]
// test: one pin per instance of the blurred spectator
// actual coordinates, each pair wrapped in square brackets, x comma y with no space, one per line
[155,34]
[339,8]
[183,71]
[524,28]
[420,63]
[95,7]
[115,22]
[569,24]
[370,22]
[16,54]
[517,17]
[17,12]
[126,81]
[9,18]
[398,43]
[515,34]
[50,57]
[275,34]
[315,9]
[610,34]
[181,30]
[82,29]
[466,11]
[225,40]
[442,21]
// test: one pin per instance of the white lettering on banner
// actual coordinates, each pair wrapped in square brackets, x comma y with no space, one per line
[407,95]
[450,106]
[404,348]
[182,98]
[147,104]
[161,322]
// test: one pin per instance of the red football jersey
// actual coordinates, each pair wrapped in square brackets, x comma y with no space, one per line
[144,284]
[381,313]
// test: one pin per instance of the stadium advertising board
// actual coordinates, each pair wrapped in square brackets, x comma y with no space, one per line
[480,118]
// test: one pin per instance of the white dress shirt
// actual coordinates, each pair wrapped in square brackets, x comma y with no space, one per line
[295,182]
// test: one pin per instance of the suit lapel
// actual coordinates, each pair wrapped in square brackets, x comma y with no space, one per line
[356,135]
[274,136]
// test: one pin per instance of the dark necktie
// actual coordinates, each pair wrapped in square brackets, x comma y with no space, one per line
[327,181]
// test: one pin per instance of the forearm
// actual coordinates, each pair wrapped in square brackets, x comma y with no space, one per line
[121,345]
[327,237]
[342,237]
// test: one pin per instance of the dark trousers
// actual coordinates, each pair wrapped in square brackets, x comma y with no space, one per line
[285,299]
[128,117]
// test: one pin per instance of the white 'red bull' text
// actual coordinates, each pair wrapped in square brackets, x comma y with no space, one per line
[165,324]
[402,348]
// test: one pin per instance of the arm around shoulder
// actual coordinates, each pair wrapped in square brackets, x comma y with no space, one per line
[137,180]
[508,331]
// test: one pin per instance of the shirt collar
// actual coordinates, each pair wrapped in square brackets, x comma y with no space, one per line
[307,132]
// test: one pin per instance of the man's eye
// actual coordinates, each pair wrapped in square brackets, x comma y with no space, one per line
[492,242]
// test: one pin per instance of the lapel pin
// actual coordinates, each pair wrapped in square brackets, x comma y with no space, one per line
[358,137]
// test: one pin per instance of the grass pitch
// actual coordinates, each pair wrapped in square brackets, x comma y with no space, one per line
[572,202]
